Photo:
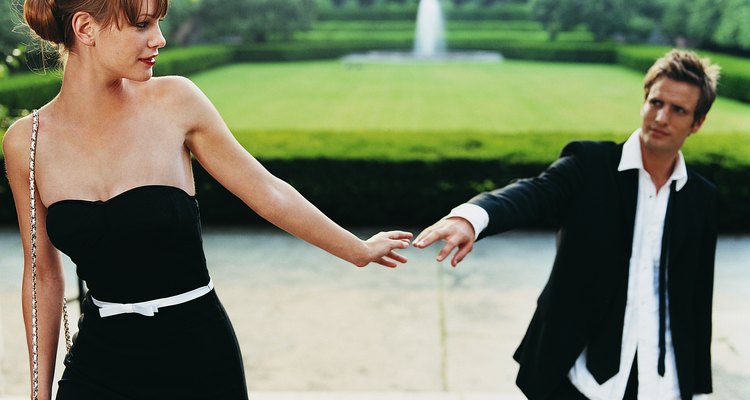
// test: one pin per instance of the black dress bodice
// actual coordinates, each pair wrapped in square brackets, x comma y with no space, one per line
[140,245]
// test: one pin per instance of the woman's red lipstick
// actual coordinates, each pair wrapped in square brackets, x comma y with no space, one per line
[149,61]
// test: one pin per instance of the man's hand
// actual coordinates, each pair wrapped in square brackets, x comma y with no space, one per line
[456,232]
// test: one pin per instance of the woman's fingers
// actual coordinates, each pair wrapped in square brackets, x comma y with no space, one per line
[383,244]
[386,263]
[397,257]
[399,235]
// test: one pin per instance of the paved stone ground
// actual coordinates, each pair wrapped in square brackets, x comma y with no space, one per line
[361,396]
[313,327]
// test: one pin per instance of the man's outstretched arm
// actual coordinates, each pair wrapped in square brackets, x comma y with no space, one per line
[542,199]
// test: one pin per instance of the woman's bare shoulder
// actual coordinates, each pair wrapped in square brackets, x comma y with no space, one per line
[176,86]
[180,93]
[17,138]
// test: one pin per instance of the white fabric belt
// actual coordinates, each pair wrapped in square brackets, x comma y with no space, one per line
[151,307]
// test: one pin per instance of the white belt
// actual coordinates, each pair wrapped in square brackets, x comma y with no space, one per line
[149,308]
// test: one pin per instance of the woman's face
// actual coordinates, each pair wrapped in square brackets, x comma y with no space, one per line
[129,51]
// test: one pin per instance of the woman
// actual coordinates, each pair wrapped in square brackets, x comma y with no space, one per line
[115,193]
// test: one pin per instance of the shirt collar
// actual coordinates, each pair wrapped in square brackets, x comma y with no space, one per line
[631,159]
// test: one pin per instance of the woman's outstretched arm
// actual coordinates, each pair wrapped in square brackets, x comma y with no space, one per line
[214,146]
[50,281]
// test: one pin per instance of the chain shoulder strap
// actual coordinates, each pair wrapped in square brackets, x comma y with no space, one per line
[34,313]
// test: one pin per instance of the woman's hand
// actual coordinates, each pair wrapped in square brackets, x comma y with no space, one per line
[381,248]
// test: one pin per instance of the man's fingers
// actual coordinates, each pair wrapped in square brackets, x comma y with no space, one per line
[428,238]
[462,252]
[422,235]
[446,250]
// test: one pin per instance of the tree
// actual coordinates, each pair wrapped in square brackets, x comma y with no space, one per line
[8,20]
[733,29]
[631,20]
[11,37]
[606,17]
[182,21]
[694,20]
[256,20]
[703,17]
[558,15]
[673,18]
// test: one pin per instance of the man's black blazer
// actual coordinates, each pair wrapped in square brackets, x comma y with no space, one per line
[592,205]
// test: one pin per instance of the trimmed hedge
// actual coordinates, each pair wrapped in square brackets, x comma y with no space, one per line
[378,193]
[547,51]
[188,60]
[501,36]
[314,50]
[505,12]
[366,14]
[400,179]
[735,71]
[541,51]
[410,26]
[368,192]
[28,91]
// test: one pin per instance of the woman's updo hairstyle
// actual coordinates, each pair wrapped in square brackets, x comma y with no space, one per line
[52,20]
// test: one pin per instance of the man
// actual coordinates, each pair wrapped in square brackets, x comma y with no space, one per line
[626,312]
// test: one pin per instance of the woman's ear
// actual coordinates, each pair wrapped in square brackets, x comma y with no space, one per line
[84,28]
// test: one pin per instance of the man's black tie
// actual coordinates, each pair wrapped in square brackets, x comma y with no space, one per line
[603,354]
[663,265]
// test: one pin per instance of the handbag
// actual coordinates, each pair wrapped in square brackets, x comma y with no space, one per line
[66,325]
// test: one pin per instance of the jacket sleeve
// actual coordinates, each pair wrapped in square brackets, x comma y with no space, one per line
[539,200]
[704,300]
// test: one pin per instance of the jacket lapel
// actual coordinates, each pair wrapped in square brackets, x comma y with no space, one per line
[678,229]
[627,184]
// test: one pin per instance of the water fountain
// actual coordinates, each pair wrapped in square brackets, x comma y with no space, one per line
[429,40]
[429,43]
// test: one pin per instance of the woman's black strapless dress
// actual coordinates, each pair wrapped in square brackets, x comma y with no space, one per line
[141,245]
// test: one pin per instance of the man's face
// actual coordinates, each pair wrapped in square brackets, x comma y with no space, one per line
[668,114]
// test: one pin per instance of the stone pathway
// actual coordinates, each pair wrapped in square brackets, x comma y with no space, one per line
[313,327]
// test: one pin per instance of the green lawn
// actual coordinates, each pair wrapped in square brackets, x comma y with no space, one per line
[436,111]
[510,97]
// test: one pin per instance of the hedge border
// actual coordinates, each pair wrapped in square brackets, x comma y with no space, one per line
[735,75]
[389,197]
[33,90]
[540,51]
[29,91]
[505,12]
